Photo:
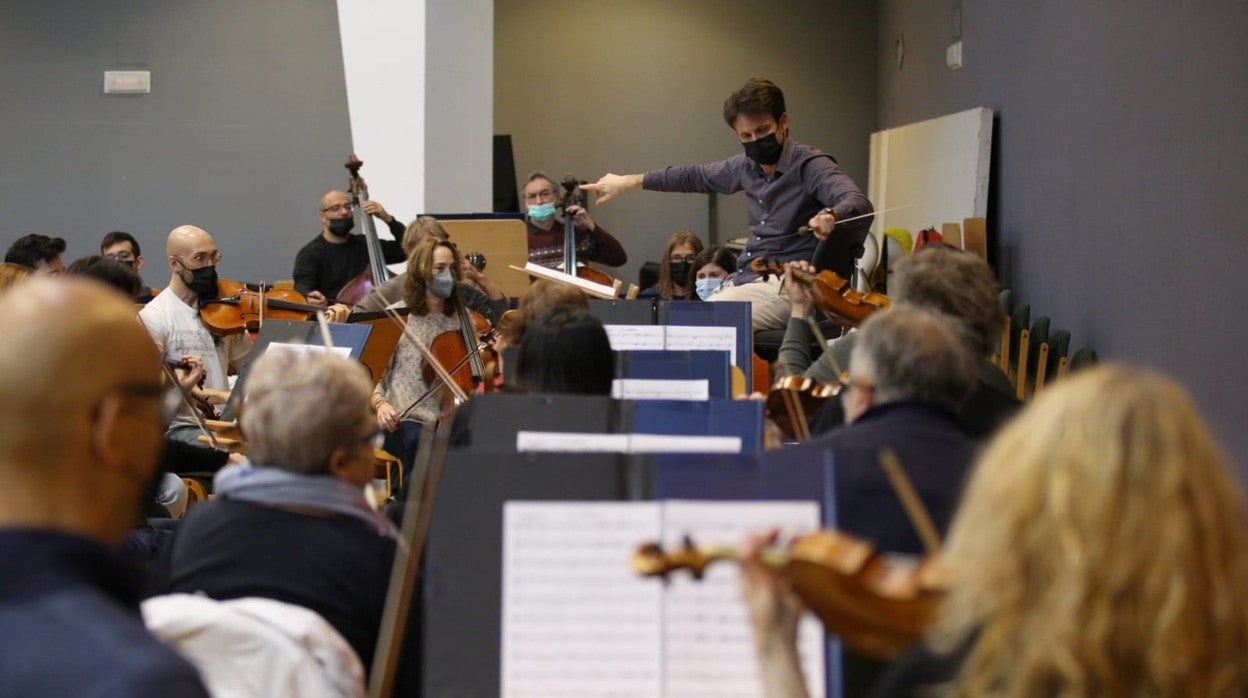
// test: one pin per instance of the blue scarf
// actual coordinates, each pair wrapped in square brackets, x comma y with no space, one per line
[272,486]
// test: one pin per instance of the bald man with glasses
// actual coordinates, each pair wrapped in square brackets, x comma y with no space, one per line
[172,320]
[79,441]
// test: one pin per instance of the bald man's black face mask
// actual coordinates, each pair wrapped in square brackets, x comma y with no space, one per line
[203,281]
[341,226]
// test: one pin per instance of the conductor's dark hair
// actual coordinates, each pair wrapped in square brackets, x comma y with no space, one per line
[30,250]
[566,351]
[757,97]
[120,236]
[118,275]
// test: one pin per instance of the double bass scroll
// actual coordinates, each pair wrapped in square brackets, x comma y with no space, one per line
[377,273]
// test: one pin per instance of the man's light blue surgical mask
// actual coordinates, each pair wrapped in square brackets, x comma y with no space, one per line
[542,212]
[442,284]
[706,287]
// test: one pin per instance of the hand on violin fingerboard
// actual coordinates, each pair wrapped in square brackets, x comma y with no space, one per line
[798,293]
[774,611]
[337,313]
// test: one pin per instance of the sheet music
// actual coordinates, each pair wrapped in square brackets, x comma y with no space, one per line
[576,622]
[298,351]
[697,337]
[570,442]
[663,443]
[707,634]
[600,290]
[660,389]
[636,337]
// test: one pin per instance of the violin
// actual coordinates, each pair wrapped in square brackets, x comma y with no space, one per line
[831,293]
[878,604]
[237,308]
[793,398]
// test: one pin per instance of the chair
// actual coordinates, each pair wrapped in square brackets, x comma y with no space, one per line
[1020,336]
[195,492]
[257,647]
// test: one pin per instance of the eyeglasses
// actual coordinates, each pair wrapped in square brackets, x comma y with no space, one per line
[202,259]
[120,257]
[677,259]
[336,208]
[543,194]
[847,381]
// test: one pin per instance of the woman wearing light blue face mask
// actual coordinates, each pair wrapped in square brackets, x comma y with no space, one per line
[710,268]
[433,269]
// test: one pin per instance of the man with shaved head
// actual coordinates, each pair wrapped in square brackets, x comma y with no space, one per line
[79,441]
[172,319]
[336,256]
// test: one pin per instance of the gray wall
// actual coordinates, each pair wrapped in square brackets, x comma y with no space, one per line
[245,127]
[630,86]
[1118,182]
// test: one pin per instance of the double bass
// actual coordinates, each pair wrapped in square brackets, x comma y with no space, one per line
[575,196]
[377,273]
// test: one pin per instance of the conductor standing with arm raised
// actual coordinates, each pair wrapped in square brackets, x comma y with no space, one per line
[789,185]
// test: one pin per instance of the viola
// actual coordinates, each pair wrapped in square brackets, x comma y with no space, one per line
[237,308]
[878,604]
[792,399]
[831,293]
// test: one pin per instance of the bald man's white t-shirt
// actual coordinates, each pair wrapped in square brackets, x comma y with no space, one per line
[176,327]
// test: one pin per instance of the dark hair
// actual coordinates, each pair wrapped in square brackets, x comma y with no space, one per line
[119,275]
[566,351]
[757,97]
[30,250]
[120,236]
[721,257]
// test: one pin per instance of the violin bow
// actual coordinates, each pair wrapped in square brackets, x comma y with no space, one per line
[910,502]
[806,230]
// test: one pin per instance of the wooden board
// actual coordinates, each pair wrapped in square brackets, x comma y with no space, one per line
[937,168]
[503,242]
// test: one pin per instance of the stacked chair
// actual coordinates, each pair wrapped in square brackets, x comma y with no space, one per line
[1031,353]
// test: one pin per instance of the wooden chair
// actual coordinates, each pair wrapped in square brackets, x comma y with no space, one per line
[389,468]
[195,492]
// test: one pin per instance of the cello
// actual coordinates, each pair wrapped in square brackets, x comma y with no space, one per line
[377,273]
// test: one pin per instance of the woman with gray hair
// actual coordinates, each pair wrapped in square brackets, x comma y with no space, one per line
[311,436]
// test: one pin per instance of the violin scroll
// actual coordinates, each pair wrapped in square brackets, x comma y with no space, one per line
[650,560]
